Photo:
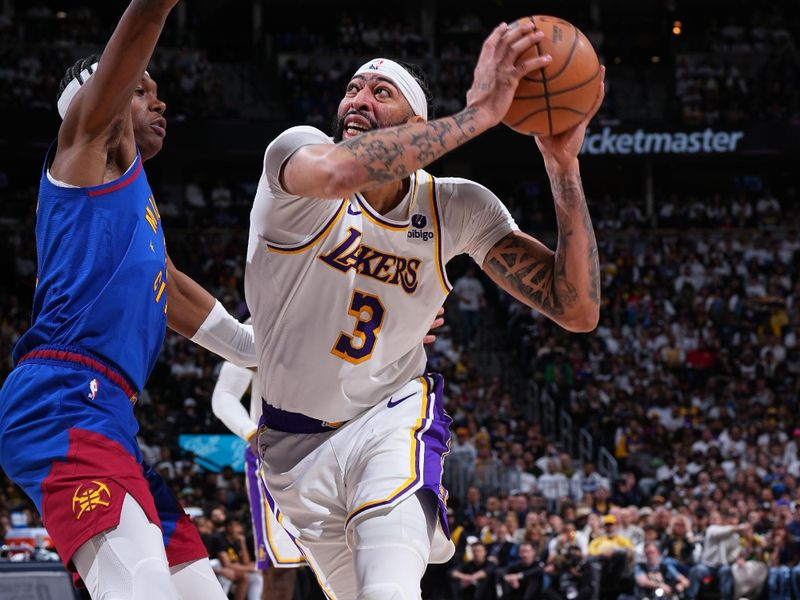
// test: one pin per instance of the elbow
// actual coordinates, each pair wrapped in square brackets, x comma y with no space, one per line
[336,174]
[584,321]
[217,403]
[341,180]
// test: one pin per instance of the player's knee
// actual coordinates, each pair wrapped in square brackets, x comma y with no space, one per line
[145,580]
[151,580]
[382,591]
[369,540]
[405,526]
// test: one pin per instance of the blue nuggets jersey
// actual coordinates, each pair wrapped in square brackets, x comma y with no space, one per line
[101,273]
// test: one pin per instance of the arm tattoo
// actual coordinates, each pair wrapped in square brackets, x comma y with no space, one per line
[535,278]
[394,153]
[542,278]
[569,197]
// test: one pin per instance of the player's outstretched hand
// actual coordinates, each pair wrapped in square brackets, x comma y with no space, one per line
[563,148]
[437,322]
[501,66]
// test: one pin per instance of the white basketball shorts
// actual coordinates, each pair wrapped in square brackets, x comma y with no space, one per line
[320,483]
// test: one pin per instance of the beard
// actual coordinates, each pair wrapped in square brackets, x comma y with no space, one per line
[338,124]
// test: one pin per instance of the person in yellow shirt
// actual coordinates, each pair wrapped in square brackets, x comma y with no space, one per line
[609,553]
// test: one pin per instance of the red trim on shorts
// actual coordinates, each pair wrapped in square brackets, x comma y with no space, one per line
[120,184]
[185,544]
[82,495]
[86,361]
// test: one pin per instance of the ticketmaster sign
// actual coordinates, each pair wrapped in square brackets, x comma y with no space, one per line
[707,141]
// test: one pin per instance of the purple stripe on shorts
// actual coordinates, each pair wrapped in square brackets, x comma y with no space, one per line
[274,508]
[437,446]
[417,435]
[256,509]
[434,436]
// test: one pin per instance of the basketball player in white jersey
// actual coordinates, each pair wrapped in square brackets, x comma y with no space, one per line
[276,554]
[348,242]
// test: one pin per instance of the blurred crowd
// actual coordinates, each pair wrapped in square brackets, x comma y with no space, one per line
[741,68]
[191,85]
[748,69]
[38,44]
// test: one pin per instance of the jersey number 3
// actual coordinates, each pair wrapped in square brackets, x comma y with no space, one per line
[358,346]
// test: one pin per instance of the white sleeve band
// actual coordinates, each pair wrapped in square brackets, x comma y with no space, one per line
[226,399]
[227,337]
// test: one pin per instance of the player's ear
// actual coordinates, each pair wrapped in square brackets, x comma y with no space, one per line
[415,119]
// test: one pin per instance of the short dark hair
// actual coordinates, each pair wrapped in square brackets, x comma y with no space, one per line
[74,72]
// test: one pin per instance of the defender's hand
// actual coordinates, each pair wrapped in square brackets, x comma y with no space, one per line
[437,322]
[561,150]
[500,68]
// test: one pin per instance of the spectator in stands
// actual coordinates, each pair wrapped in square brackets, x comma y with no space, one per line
[468,289]
[784,565]
[720,550]
[628,527]
[750,571]
[461,448]
[654,574]
[472,504]
[502,549]
[569,573]
[554,484]
[474,578]
[586,480]
[230,548]
[678,547]
[611,550]
[522,580]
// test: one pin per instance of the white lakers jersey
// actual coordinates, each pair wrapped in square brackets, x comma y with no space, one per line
[342,296]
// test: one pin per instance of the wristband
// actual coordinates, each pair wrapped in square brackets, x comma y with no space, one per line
[223,335]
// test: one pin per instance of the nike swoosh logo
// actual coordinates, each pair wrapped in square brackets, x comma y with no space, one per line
[350,211]
[391,404]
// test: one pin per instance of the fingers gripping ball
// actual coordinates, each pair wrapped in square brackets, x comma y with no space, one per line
[555,98]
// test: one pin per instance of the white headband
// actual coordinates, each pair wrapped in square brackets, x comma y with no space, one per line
[404,81]
[68,95]
[72,88]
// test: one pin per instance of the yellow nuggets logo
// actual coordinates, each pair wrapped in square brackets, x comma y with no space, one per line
[86,500]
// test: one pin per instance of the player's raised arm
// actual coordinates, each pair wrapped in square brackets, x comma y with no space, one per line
[104,102]
[565,284]
[390,151]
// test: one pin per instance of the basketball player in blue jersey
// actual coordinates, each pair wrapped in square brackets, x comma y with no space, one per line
[67,427]
[349,238]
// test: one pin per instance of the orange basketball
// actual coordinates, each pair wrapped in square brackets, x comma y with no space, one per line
[555,98]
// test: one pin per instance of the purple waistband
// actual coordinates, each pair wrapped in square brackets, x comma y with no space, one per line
[292,422]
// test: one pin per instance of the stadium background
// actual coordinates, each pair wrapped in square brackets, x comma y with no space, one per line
[684,400]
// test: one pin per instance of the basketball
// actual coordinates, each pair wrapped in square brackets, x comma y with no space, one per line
[555,98]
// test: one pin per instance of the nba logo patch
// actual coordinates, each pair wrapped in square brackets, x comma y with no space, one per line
[93,385]
[376,66]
